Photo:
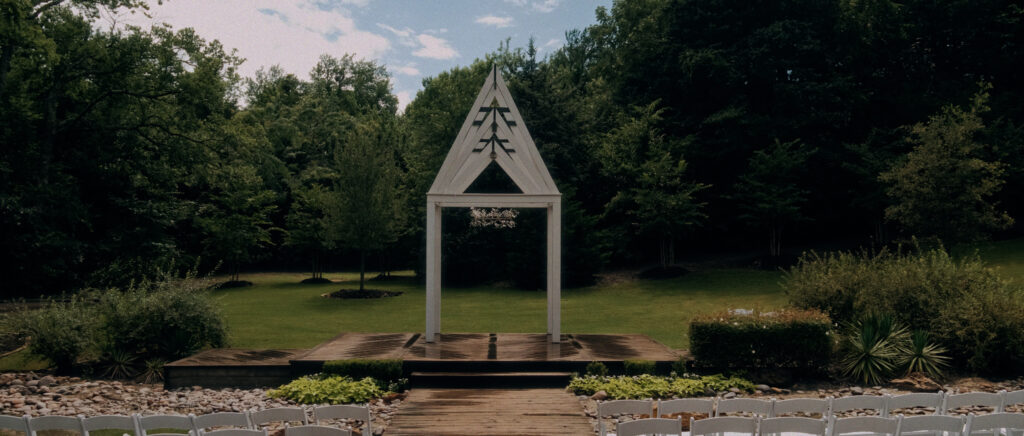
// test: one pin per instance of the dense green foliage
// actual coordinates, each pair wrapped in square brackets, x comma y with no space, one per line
[384,371]
[638,367]
[799,339]
[596,369]
[60,332]
[166,320]
[650,386]
[328,389]
[964,305]
[125,329]
[700,124]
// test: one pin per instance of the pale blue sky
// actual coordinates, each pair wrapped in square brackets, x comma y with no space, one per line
[414,39]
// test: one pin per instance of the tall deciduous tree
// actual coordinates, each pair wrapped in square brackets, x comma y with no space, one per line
[652,190]
[366,212]
[944,187]
[769,194]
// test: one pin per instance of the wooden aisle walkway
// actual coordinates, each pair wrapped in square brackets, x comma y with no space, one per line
[458,412]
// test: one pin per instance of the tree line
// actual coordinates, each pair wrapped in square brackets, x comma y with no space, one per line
[670,126]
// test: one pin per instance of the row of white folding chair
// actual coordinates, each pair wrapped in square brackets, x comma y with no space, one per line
[883,405]
[938,425]
[193,425]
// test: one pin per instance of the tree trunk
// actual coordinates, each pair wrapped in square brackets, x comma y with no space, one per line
[6,54]
[362,268]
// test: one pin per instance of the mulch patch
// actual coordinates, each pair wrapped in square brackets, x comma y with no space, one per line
[365,293]
[316,281]
[231,284]
[659,272]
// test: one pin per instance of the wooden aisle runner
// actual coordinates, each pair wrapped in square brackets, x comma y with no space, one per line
[456,412]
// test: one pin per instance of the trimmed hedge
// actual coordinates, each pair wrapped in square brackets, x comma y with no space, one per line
[639,367]
[383,370]
[797,339]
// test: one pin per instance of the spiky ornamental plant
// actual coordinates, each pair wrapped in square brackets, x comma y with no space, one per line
[872,348]
[923,356]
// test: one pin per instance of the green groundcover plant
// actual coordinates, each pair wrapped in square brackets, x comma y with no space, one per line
[651,386]
[329,389]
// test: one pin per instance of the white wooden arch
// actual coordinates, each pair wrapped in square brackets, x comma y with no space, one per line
[494,132]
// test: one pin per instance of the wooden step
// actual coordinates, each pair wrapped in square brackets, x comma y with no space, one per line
[423,379]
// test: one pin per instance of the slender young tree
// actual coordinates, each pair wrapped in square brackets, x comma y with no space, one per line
[944,186]
[365,212]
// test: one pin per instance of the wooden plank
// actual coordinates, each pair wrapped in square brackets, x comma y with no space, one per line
[490,411]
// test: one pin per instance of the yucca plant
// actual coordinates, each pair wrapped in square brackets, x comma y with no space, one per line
[923,356]
[117,364]
[154,371]
[872,348]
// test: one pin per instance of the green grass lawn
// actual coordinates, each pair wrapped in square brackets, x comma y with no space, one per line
[279,312]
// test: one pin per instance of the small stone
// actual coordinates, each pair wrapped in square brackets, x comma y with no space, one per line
[32,383]
[729,396]
[47,381]
[17,382]
[763,388]
[735,390]
[599,396]
[857,390]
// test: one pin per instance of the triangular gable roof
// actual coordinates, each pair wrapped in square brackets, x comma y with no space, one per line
[493,131]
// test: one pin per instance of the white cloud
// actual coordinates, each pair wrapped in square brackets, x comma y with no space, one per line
[292,34]
[491,20]
[404,97]
[552,44]
[434,48]
[546,5]
[404,33]
[407,69]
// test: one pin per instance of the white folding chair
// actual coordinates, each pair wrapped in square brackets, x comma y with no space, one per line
[864,425]
[751,406]
[810,407]
[629,407]
[1011,401]
[793,424]
[285,415]
[927,425]
[955,403]
[15,423]
[686,405]
[925,400]
[220,420]
[181,423]
[109,422]
[236,432]
[993,423]
[650,426]
[859,402]
[54,422]
[316,430]
[724,424]
[344,411]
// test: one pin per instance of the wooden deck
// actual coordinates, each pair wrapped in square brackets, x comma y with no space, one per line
[455,412]
[452,352]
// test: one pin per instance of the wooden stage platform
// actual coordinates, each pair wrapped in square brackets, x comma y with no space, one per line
[452,353]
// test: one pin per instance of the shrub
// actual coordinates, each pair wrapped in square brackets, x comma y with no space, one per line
[799,339]
[967,307]
[597,369]
[60,332]
[639,367]
[330,389]
[168,320]
[384,371]
[650,386]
